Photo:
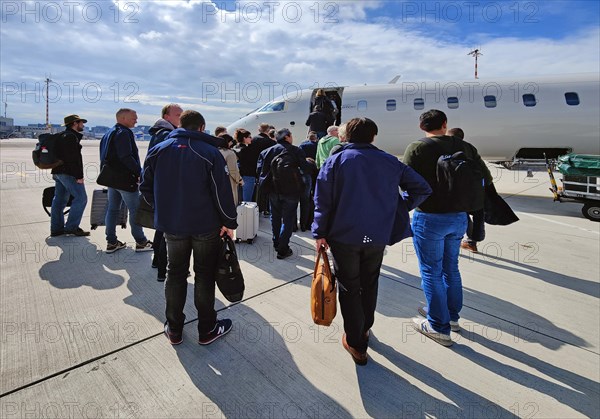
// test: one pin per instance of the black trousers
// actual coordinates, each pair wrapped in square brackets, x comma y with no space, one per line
[476,227]
[357,270]
[205,248]
[159,245]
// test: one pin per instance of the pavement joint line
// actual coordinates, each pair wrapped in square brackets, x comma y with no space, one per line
[500,318]
[114,351]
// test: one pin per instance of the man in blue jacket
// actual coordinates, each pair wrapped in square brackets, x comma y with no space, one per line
[358,211]
[185,179]
[160,131]
[119,149]
[284,194]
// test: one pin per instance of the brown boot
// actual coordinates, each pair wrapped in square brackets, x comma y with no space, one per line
[468,246]
[360,358]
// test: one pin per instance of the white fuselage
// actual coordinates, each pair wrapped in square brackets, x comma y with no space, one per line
[498,132]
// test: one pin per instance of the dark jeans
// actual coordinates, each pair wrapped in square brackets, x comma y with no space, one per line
[283,217]
[357,270]
[159,259]
[306,204]
[476,227]
[206,248]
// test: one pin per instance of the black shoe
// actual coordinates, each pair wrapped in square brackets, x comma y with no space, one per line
[78,232]
[285,254]
[161,278]
[57,233]
[154,263]
[222,327]
[174,338]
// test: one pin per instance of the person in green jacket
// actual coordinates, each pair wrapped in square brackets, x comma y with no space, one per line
[326,144]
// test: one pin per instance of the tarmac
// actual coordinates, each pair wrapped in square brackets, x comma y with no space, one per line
[81,331]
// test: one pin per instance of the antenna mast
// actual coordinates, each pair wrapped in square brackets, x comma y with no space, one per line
[475,53]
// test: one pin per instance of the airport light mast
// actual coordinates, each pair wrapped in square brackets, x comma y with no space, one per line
[47,100]
[475,53]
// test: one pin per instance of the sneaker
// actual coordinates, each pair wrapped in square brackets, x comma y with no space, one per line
[285,254]
[78,232]
[143,247]
[113,247]
[57,234]
[454,326]
[174,338]
[222,327]
[422,326]
[468,246]
[359,358]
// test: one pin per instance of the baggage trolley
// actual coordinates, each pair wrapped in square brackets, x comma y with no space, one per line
[582,187]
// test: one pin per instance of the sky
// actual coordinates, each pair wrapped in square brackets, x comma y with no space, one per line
[226,58]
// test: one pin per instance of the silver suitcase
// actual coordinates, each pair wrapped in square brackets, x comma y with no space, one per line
[247,219]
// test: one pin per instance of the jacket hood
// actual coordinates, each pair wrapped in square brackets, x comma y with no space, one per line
[161,124]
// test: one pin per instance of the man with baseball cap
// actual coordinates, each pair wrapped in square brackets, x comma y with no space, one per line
[68,179]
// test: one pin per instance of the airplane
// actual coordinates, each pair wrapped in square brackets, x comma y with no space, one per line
[510,121]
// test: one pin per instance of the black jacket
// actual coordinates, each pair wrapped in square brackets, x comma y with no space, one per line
[263,166]
[69,151]
[318,121]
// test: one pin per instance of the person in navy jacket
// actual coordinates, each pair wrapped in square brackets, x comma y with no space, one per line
[358,211]
[185,179]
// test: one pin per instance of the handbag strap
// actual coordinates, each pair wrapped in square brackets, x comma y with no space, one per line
[228,245]
[321,253]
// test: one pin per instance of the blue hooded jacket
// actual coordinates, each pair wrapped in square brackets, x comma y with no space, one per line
[185,179]
[357,197]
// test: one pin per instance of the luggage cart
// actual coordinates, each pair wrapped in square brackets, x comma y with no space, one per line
[582,186]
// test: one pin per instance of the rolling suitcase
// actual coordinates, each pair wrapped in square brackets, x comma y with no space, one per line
[99,208]
[247,219]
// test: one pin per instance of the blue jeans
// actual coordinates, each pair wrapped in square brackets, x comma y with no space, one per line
[283,216]
[437,243]
[65,186]
[206,249]
[248,188]
[115,197]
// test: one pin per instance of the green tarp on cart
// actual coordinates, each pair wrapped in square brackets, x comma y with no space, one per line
[579,165]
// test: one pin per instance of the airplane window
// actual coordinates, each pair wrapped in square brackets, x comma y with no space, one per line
[489,101]
[419,104]
[390,105]
[453,102]
[362,105]
[572,98]
[272,107]
[529,99]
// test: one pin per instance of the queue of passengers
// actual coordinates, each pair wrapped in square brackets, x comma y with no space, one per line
[337,179]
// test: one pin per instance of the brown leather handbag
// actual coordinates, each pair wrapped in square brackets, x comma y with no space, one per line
[323,304]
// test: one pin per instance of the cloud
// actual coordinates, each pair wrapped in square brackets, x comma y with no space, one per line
[228,58]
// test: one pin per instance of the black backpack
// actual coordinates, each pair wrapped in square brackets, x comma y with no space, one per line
[286,175]
[44,154]
[460,181]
